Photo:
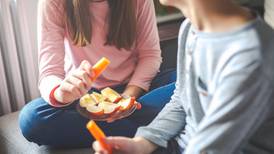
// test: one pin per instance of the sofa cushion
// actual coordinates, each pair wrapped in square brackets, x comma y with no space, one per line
[13,142]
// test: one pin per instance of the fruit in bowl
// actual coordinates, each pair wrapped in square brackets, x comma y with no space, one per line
[109,108]
[106,105]
[111,95]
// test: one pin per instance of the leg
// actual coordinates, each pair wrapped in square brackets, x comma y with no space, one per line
[64,127]
[172,148]
[163,78]
[162,88]
[158,97]
[153,102]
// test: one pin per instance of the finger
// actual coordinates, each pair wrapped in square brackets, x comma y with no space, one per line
[125,96]
[77,83]
[67,87]
[110,120]
[101,152]
[83,75]
[114,117]
[86,66]
[98,148]
[83,63]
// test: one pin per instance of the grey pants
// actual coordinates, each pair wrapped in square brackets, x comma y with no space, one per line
[173,148]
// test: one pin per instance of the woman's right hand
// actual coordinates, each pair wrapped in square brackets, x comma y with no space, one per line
[76,84]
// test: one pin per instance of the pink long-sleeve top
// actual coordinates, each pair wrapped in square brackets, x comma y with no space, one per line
[58,56]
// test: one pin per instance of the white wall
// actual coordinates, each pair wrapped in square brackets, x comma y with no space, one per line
[24,14]
[269,12]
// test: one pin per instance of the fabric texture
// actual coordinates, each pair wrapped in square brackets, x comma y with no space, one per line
[223,101]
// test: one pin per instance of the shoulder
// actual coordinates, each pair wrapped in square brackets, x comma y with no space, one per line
[51,8]
[254,43]
[144,5]
[182,36]
[184,28]
[51,4]
[141,3]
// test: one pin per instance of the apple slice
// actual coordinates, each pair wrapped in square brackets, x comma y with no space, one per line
[112,95]
[86,100]
[108,107]
[126,103]
[95,110]
[97,97]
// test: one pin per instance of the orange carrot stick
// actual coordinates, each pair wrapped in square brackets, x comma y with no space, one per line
[99,135]
[99,67]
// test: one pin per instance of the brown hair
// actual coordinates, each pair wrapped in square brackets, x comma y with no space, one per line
[122,22]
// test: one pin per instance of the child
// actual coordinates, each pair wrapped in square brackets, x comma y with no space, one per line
[223,102]
[74,35]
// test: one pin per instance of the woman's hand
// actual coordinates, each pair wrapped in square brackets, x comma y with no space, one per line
[123,145]
[132,91]
[76,84]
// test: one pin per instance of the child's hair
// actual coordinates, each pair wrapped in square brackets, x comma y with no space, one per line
[122,22]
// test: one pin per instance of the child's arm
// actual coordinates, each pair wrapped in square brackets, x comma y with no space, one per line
[240,104]
[168,123]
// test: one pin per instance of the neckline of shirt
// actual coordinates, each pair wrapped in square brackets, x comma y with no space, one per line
[241,28]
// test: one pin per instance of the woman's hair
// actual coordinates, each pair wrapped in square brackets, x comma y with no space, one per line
[121,20]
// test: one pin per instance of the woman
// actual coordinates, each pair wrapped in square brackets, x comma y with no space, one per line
[223,101]
[74,35]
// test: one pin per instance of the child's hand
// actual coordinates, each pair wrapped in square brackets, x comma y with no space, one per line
[76,84]
[124,145]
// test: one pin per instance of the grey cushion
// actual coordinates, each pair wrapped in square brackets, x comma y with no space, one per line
[13,142]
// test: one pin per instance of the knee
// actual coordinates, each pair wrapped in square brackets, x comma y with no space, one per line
[30,121]
[157,98]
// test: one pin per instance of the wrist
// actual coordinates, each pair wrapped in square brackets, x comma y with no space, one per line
[149,146]
[53,97]
[133,91]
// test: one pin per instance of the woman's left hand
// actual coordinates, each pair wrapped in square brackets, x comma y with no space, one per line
[133,91]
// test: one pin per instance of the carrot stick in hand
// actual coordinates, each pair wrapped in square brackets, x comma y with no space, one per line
[99,67]
[99,135]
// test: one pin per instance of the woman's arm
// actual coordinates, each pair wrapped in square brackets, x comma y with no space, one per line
[51,32]
[147,48]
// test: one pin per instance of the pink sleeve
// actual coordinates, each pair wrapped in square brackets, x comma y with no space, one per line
[51,32]
[147,46]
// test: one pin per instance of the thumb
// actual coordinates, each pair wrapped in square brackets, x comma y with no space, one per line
[83,63]
[86,66]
